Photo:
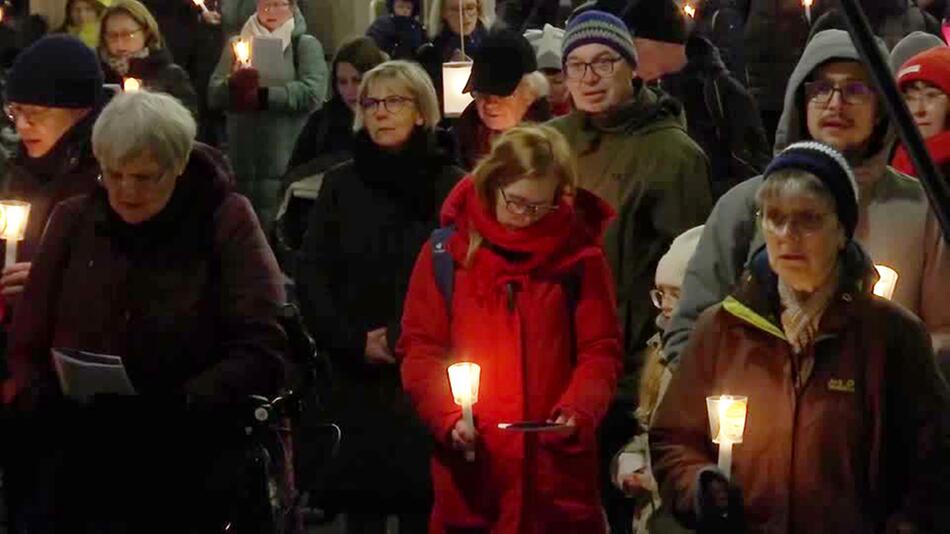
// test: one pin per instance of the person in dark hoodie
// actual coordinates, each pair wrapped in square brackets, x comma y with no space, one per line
[507,90]
[166,267]
[131,46]
[372,216]
[399,33]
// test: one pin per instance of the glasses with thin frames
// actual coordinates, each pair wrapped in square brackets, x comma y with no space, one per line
[802,223]
[603,67]
[522,208]
[392,104]
[122,37]
[267,8]
[31,116]
[927,96]
[853,93]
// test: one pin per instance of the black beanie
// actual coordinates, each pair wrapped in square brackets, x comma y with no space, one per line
[829,166]
[58,71]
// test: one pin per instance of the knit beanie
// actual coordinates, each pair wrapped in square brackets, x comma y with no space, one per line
[829,166]
[672,267]
[598,27]
[932,66]
[58,71]
[547,46]
[910,46]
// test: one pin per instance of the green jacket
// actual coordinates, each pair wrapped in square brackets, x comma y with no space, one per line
[640,160]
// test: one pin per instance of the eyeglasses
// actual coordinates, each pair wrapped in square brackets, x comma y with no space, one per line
[138,180]
[603,67]
[32,116]
[801,223]
[927,96]
[852,93]
[267,8]
[470,10]
[122,37]
[657,296]
[521,208]
[392,104]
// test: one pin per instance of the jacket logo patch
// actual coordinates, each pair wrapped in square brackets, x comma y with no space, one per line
[842,385]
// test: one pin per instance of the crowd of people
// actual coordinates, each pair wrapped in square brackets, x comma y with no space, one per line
[645,205]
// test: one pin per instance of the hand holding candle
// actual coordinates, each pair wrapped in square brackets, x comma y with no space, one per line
[888,282]
[727,415]
[464,378]
[13,217]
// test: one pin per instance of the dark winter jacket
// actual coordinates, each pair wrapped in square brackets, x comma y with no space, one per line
[399,37]
[721,116]
[372,216]
[188,299]
[862,439]
[474,139]
[326,139]
[159,74]
[540,355]
[68,169]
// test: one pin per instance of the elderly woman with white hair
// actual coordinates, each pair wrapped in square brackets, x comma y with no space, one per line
[372,216]
[846,427]
[166,267]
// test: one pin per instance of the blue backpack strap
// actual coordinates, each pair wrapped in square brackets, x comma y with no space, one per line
[443,265]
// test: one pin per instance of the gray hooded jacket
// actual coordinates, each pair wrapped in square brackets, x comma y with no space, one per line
[895,226]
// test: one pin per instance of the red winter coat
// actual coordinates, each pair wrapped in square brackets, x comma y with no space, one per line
[512,318]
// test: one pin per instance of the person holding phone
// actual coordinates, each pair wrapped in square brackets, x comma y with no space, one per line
[532,303]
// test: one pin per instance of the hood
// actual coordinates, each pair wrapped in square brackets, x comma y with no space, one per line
[826,46]
[908,47]
[703,56]
[300,23]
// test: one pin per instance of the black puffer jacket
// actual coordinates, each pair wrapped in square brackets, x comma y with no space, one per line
[158,74]
[371,219]
[399,37]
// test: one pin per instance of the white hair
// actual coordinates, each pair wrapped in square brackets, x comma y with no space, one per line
[139,122]
[486,15]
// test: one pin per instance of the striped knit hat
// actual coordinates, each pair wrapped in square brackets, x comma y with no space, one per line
[599,27]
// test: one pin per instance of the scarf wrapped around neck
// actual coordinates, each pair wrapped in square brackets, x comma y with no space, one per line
[253,28]
[121,64]
[801,315]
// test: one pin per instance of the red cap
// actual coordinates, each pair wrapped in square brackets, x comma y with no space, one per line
[931,66]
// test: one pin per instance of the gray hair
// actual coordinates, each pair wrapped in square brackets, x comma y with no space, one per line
[787,183]
[414,79]
[486,15]
[537,83]
[138,122]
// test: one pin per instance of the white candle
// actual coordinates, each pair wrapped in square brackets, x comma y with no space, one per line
[201,4]
[887,283]
[464,381]
[808,4]
[14,215]
[131,84]
[727,414]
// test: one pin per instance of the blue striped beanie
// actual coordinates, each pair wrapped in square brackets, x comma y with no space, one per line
[601,28]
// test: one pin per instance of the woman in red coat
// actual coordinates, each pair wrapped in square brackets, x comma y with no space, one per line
[533,304]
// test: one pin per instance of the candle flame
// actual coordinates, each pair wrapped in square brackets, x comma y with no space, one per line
[242,50]
[13,218]
[464,378]
[131,84]
[887,283]
[199,3]
[690,11]
[808,3]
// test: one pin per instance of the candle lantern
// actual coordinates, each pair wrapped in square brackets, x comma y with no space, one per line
[242,51]
[464,378]
[727,415]
[455,75]
[887,283]
[14,215]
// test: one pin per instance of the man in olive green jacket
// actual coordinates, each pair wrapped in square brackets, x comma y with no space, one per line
[634,152]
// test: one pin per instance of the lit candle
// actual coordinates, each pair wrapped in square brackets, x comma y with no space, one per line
[887,283]
[131,84]
[201,4]
[726,425]
[1,14]
[464,378]
[689,10]
[807,4]
[242,50]
[455,75]
[13,217]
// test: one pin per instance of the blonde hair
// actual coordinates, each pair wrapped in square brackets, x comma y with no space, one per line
[141,15]
[534,152]
[486,15]
[416,81]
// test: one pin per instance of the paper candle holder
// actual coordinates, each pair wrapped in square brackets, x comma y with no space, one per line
[727,415]
[888,282]
[14,215]
[242,51]
[464,378]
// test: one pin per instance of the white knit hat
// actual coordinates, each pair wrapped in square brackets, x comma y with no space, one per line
[547,46]
[672,267]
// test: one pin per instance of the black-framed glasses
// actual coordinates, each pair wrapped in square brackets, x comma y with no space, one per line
[800,223]
[32,116]
[122,37]
[520,207]
[603,67]
[657,296]
[853,93]
[392,104]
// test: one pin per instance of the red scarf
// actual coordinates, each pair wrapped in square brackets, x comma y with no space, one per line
[938,146]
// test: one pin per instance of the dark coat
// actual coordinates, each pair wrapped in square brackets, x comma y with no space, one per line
[399,37]
[189,298]
[721,117]
[863,436]
[372,216]
[159,74]
[473,139]
[68,169]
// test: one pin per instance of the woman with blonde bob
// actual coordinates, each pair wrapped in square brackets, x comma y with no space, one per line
[530,300]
